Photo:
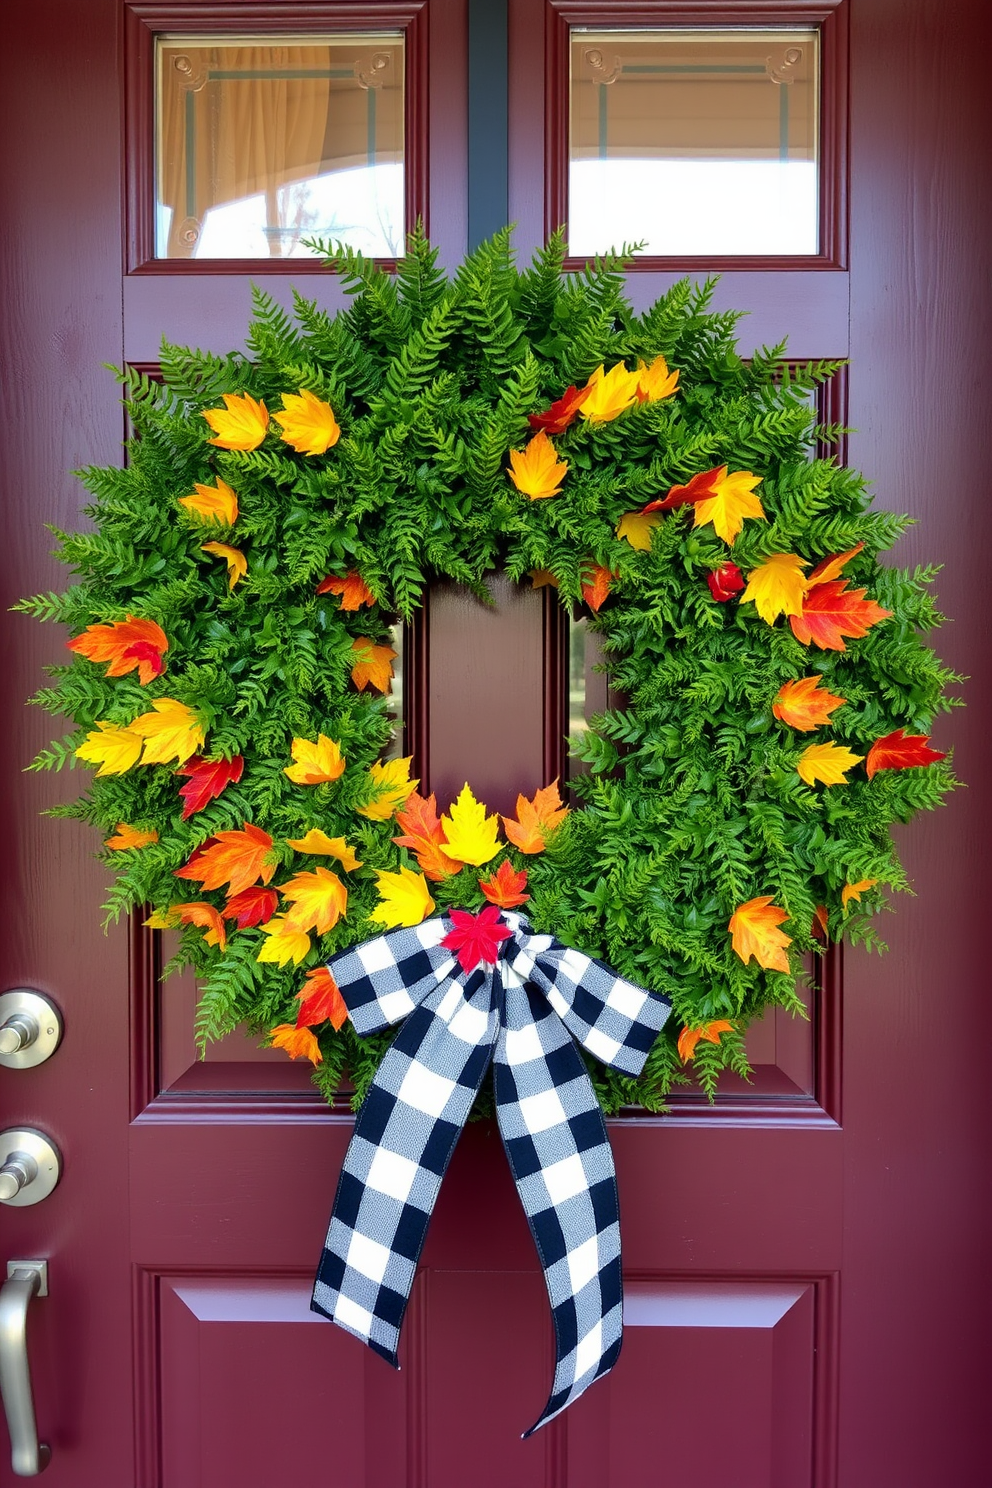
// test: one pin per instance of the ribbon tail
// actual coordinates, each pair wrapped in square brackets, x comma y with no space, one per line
[404,1136]
[558,1150]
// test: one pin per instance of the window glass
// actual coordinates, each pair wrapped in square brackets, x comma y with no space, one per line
[694,142]
[264,141]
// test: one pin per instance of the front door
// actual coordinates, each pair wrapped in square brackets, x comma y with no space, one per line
[805,1259]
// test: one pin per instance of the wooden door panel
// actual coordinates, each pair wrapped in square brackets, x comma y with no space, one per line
[716,1385]
[228,1344]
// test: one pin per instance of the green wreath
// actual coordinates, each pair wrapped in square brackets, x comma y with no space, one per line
[231,624]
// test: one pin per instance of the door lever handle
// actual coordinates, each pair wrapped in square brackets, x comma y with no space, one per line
[25,1279]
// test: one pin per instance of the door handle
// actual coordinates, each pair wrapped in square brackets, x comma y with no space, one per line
[25,1279]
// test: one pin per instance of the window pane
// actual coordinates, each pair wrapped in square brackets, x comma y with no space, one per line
[264,141]
[694,142]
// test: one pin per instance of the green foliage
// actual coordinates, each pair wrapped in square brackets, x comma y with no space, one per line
[689,804]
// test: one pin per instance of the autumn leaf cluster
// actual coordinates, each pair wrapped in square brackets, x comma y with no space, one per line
[234,618]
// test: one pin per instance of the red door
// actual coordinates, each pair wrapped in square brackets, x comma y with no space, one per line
[805,1260]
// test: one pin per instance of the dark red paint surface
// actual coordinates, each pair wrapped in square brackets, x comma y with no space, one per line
[807,1301]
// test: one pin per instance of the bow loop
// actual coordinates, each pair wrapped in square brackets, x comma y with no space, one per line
[520,1011]
[383,980]
[615,1020]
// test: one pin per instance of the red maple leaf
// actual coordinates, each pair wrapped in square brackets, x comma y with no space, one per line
[505,886]
[321,1001]
[900,751]
[831,611]
[475,938]
[699,488]
[207,778]
[556,419]
[253,906]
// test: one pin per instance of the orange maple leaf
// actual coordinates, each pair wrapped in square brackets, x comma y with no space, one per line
[596,586]
[236,858]
[374,664]
[755,932]
[831,611]
[128,645]
[299,1043]
[126,837]
[424,835]
[200,913]
[900,751]
[537,471]
[803,705]
[535,819]
[855,890]
[709,1033]
[321,1001]
[821,918]
[506,886]
[352,588]
[832,568]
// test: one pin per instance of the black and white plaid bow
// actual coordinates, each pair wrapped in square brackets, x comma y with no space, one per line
[522,1012]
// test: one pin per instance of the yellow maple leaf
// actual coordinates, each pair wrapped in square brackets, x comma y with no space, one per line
[126,837]
[240,425]
[610,393]
[470,835]
[217,504]
[393,779]
[315,763]
[777,586]
[319,899]
[307,423]
[537,471]
[754,930]
[317,843]
[373,664]
[111,746]
[636,528]
[171,731]
[404,899]
[162,919]
[827,763]
[855,890]
[286,942]
[655,382]
[542,578]
[296,1042]
[731,502]
[237,563]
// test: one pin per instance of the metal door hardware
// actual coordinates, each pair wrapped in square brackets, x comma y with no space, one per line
[25,1279]
[30,1166]
[30,1028]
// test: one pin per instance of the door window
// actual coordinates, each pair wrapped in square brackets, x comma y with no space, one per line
[264,142]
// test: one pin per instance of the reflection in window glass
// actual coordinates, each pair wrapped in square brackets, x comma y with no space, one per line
[694,142]
[263,142]
[395,696]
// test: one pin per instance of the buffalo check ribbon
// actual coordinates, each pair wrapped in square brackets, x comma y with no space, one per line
[522,1008]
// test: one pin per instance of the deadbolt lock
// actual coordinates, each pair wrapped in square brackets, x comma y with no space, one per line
[30,1166]
[30,1028]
